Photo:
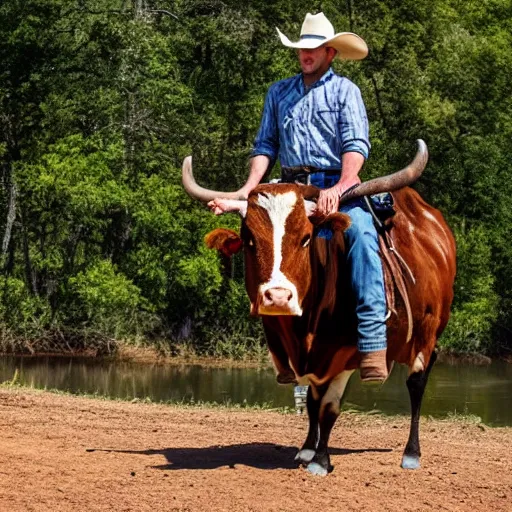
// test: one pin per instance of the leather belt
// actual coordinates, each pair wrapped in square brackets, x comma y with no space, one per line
[301,169]
[302,174]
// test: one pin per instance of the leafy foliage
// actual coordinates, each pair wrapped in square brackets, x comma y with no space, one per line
[100,100]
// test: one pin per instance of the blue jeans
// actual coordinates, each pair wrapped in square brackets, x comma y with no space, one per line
[365,267]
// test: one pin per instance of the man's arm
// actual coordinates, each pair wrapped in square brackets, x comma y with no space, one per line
[258,168]
[266,144]
[355,146]
[329,199]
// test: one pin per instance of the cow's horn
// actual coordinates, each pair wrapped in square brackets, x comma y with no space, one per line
[403,178]
[195,191]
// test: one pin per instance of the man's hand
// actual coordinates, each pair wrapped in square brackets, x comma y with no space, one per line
[219,206]
[329,198]
[328,201]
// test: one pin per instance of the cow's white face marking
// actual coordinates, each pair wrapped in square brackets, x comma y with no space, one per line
[279,207]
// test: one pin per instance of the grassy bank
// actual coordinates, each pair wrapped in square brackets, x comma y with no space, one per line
[250,355]
[14,386]
[216,352]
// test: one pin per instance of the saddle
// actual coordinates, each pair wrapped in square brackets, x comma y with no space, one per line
[395,268]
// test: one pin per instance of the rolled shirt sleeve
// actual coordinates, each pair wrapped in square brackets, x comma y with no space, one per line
[267,139]
[354,123]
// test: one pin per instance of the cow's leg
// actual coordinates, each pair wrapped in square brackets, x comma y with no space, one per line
[328,414]
[416,385]
[308,450]
[284,374]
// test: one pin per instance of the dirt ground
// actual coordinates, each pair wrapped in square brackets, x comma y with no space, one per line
[63,453]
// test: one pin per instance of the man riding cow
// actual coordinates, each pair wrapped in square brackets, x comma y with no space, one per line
[321,279]
[298,282]
[316,124]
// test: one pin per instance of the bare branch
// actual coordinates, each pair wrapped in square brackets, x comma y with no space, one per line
[163,11]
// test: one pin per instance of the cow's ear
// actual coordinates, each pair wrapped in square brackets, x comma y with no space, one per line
[227,241]
[338,221]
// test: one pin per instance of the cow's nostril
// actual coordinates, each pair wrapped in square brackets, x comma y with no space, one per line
[277,296]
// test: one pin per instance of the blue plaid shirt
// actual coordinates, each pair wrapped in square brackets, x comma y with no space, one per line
[313,127]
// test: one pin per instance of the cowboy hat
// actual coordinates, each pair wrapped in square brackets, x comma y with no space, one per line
[317,30]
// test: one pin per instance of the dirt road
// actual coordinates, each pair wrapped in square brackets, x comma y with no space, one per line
[63,453]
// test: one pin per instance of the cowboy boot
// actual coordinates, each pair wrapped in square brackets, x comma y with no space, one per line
[373,367]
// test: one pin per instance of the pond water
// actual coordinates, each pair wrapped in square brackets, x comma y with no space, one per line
[484,391]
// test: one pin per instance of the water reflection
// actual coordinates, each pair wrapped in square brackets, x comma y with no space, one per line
[484,391]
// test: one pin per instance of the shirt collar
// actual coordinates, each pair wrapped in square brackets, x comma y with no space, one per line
[325,78]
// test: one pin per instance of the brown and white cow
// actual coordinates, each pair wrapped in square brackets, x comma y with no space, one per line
[298,283]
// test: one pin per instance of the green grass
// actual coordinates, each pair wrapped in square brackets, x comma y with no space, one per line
[464,417]
[192,404]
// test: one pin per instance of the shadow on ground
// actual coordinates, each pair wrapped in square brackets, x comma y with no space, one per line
[256,455]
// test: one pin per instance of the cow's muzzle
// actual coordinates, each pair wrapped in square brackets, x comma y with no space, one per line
[278,301]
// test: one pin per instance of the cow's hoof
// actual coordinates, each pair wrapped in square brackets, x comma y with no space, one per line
[410,462]
[316,469]
[305,456]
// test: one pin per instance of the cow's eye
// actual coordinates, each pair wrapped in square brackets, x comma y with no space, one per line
[305,241]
